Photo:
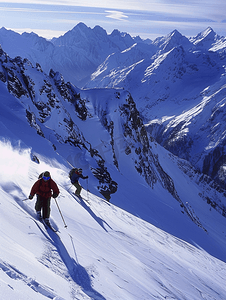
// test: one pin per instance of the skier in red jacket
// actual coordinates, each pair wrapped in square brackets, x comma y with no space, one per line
[44,188]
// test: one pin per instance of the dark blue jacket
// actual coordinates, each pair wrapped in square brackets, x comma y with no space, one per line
[75,177]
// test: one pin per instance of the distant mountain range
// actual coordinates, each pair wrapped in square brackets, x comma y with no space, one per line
[76,54]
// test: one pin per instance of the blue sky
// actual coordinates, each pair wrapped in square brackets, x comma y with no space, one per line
[146,18]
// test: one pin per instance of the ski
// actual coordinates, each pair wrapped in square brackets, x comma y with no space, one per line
[80,198]
[46,225]
[35,218]
[50,227]
[107,202]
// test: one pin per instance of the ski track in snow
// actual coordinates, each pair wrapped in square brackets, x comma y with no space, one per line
[15,274]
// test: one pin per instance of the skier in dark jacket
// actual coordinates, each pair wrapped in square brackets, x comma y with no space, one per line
[44,188]
[76,175]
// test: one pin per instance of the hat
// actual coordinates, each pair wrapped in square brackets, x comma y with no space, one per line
[46,174]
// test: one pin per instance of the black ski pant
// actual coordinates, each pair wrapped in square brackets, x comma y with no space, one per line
[78,188]
[44,205]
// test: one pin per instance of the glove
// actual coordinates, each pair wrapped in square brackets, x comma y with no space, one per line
[55,195]
[30,197]
[86,177]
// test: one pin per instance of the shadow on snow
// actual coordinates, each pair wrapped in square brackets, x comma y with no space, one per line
[99,220]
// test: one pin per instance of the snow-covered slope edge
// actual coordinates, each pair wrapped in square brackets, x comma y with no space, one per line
[104,253]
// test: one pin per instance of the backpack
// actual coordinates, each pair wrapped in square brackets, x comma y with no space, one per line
[74,170]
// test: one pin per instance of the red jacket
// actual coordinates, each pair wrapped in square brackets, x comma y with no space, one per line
[44,188]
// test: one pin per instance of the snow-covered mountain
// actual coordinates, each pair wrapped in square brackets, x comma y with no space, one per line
[164,233]
[179,90]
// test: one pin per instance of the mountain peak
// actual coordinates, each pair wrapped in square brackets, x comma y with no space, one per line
[80,26]
[208,31]
[115,32]
[173,39]
[175,33]
[99,30]
[205,38]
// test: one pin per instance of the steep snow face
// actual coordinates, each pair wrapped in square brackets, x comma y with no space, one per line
[198,134]
[161,84]
[104,253]
[117,67]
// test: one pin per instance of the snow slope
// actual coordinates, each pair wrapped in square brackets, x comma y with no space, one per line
[104,253]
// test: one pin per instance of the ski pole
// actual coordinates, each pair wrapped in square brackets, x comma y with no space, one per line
[25,199]
[61,214]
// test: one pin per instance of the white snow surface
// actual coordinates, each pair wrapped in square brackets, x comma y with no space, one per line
[103,253]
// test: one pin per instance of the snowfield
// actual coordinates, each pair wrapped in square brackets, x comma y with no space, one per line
[103,253]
